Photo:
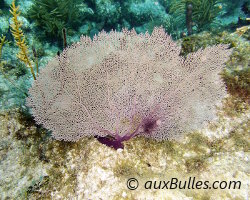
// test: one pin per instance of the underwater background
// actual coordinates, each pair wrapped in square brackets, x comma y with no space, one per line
[34,166]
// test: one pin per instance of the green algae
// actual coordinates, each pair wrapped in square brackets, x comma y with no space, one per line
[52,16]
[196,164]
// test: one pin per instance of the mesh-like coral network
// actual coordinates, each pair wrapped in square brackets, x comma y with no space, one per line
[124,84]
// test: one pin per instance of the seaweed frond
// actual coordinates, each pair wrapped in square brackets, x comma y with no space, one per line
[2,42]
[19,38]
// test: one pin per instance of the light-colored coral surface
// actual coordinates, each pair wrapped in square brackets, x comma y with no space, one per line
[33,166]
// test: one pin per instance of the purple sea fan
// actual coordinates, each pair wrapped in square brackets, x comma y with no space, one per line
[122,84]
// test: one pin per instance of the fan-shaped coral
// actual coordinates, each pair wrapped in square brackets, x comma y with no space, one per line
[121,84]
